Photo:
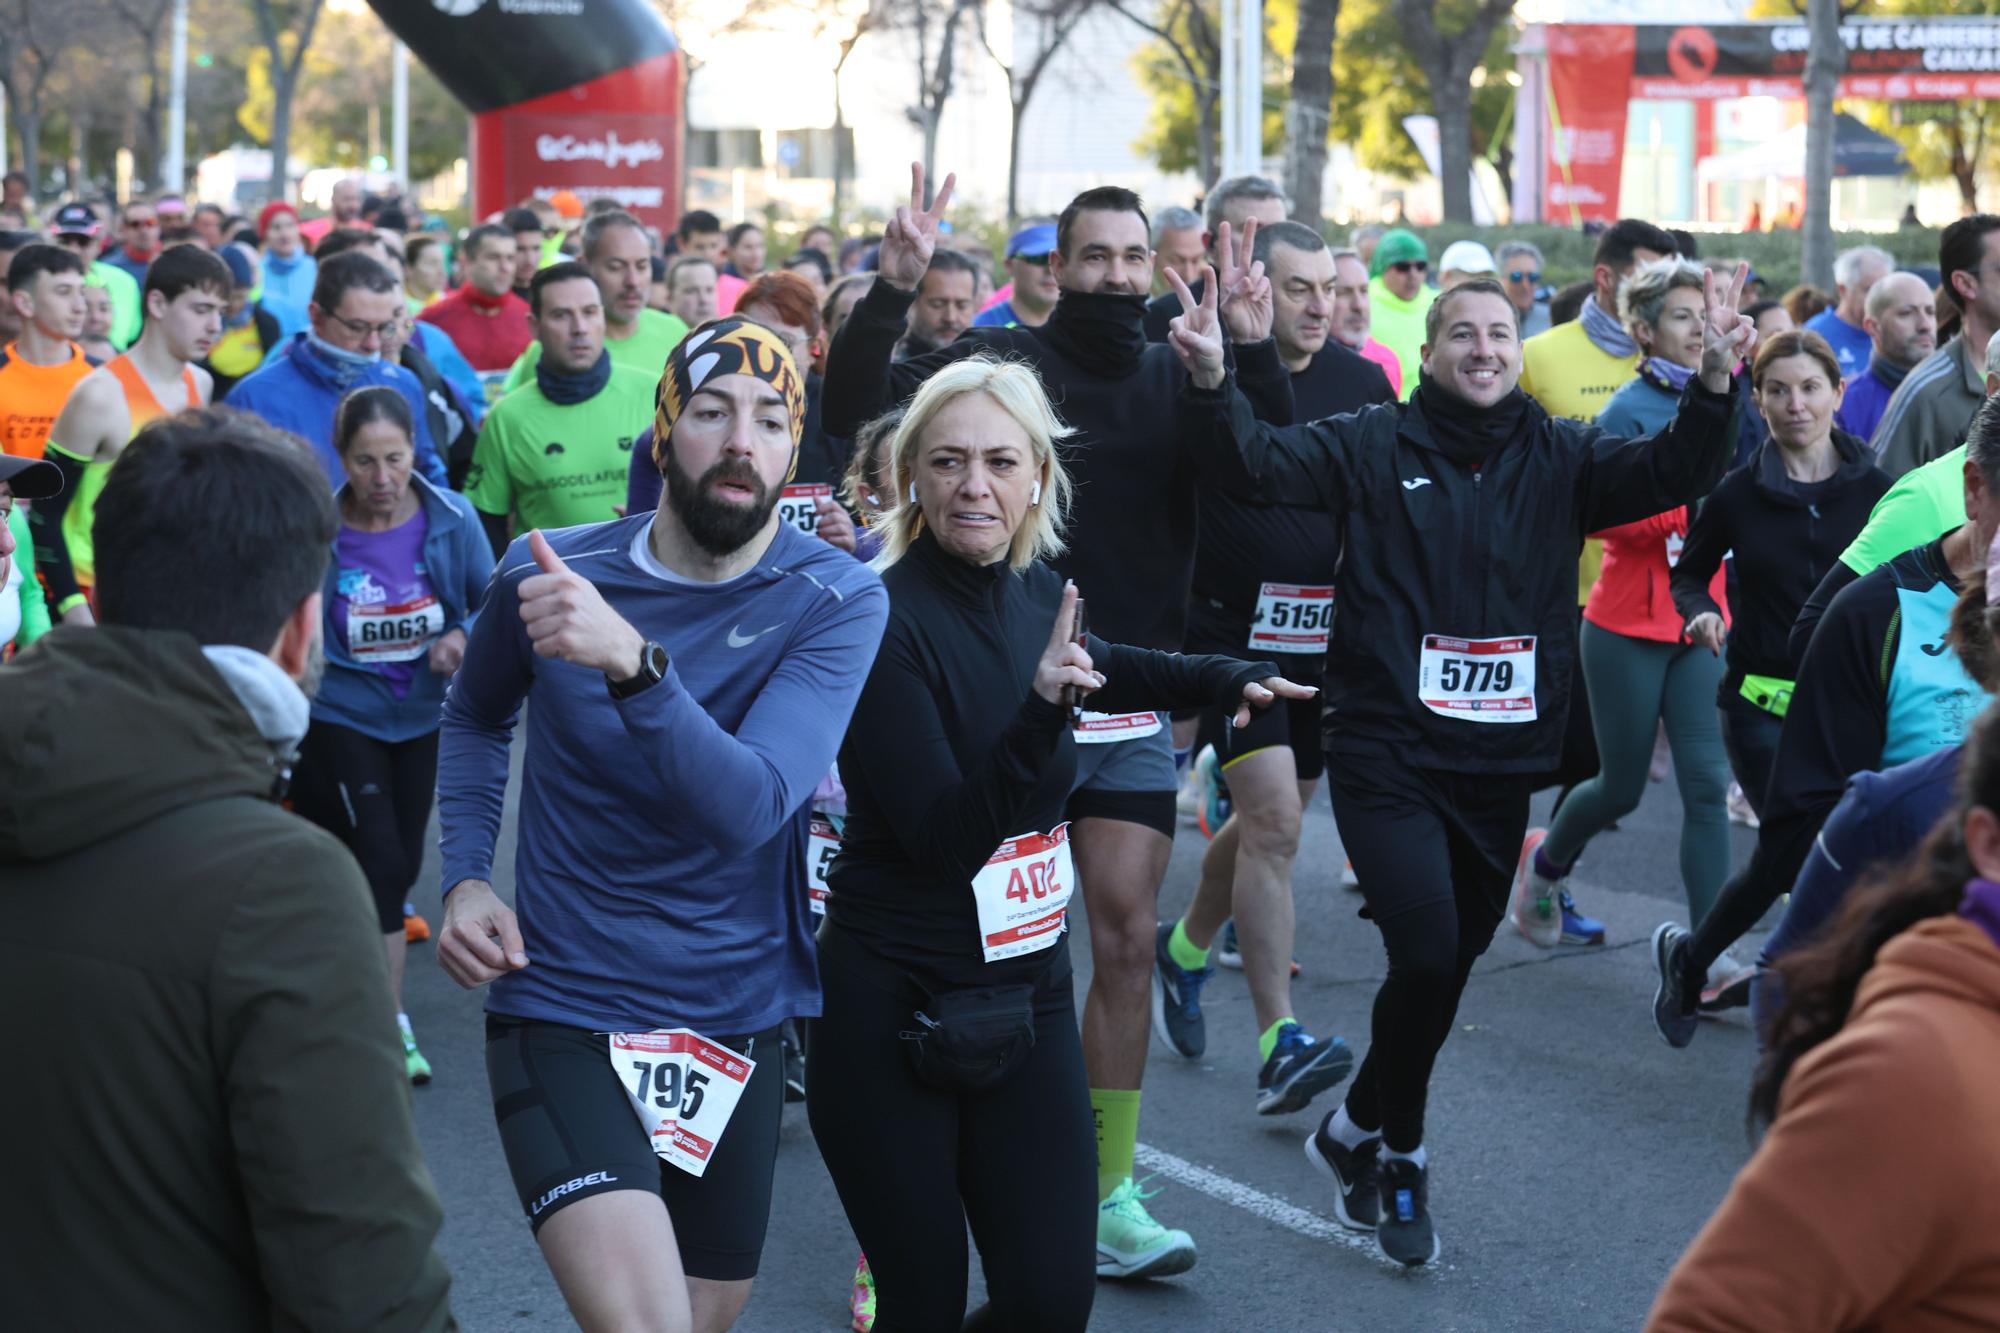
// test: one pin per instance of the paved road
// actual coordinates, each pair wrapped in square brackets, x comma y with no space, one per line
[1573,1154]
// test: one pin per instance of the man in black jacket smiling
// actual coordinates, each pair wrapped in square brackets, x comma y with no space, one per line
[1447,677]
[1131,553]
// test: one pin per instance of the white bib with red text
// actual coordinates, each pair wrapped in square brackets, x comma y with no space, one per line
[399,633]
[1291,618]
[822,845]
[1478,680]
[683,1087]
[1104,728]
[796,505]
[1023,894]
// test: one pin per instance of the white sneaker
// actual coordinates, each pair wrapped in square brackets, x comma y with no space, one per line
[1187,801]
[1130,1244]
[1348,879]
[1535,905]
[1739,809]
[1728,984]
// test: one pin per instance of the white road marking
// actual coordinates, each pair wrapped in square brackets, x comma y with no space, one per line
[1259,1204]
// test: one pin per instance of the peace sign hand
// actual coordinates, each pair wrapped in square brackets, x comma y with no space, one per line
[910,239]
[1246,292]
[1726,333]
[1196,333]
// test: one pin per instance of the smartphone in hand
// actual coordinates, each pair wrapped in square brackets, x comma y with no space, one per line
[1075,693]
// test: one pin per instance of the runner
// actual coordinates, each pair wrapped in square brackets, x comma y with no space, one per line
[356,305]
[97,319]
[250,333]
[186,290]
[1574,368]
[688,680]
[24,612]
[1875,688]
[1263,584]
[409,567]
[344,210]
[691,290]
[486,320]
[1352,316]
[746,251]
[554,453]
[1855,273]
[943,308]
[1134,521]
[619,255]
[1032,291]
[288,270]
[1398,299]
[1520,264]
[138,239]
[1235,200]
[1448,670]
[957,764]
[424,271]
[41,366]
[1901,320]
[839,304]
[530,236]
[76,227]
[1642,671]
[1933,406]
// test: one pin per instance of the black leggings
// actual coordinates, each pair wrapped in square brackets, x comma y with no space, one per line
[914,1165]
[1435,855]
[375,796]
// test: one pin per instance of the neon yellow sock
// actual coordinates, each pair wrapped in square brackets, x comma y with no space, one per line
[1183,951]
[1269,1041]
[1116,1113]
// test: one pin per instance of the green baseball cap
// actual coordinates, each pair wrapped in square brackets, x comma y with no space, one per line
[1397,247]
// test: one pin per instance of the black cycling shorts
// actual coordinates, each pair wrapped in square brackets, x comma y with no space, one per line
[1292,722]
[567,1126]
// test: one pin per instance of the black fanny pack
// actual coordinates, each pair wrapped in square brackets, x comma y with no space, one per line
[973,1039]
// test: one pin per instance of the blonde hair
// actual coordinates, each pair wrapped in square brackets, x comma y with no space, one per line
[1017,390]
[858,481]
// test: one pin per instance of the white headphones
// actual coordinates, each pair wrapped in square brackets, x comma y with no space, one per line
[1035,496]
[913,492]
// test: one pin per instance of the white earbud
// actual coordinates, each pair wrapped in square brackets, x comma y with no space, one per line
[913,492]
[1035,496]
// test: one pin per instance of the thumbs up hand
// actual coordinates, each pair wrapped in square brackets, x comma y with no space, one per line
[568,618]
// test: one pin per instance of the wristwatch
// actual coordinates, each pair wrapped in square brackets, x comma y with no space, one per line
[653,664]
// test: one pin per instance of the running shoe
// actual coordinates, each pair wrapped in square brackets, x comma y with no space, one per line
[1177,999]
[1673,1007]
[414,1065]
[1405,1232]
[1187,801]
[1300,1069]
[1576,927]
[1728,984]
[1215,803]
[795,1069]
[1532,905]
[1739,809]
[1230,955]
[1226,952]
[1348,879]
[1131,1244]
[861,1304]
[415,929]
[1356,1173]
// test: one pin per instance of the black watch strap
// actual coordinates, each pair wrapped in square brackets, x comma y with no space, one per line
[653,663]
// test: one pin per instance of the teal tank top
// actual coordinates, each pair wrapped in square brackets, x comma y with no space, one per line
[1931,700]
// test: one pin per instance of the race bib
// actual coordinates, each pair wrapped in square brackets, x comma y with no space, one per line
[1291,618]
[822,845]
[399,633]
[1478,680]
[1675,541]
[1023,894]
[494,384]
[683,1087]
[796,505]
[1104,728]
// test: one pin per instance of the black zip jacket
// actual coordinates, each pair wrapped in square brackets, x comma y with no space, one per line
[1785,535]
[1132,518]
[1439,547]
[950,752]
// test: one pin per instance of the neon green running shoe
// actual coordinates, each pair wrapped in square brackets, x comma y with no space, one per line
[862,1302]
[1130,1244]
[414,1064]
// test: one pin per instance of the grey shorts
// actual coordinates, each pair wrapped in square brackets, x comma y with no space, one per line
[1131,780]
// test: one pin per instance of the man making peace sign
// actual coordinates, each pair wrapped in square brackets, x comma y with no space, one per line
[1447,678]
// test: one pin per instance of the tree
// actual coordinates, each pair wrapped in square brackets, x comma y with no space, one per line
[1310,112]
[34,40]
[1826,57]
[1449,43]
[285,28]
[1182,68]
[1054,21]
[937,27]
[147,22]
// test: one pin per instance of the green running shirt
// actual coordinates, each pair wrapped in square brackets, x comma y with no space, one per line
[556,467]
[645,351]
[1923,505]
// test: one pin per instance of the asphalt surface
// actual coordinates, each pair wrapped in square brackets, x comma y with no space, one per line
[1573,1155]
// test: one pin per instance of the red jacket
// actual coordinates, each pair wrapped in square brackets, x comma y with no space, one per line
[490,341]
[1630,596]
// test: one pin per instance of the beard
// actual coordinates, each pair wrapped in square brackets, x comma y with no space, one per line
[315,668]
[719,527]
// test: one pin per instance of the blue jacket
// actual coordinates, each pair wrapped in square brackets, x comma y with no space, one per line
[297,392]
[1639,407]
[436,344]
[288,288]
[1862,406]
[459,561]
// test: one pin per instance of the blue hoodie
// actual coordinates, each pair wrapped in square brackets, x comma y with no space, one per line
[288,288]
[458,560]
[298,392]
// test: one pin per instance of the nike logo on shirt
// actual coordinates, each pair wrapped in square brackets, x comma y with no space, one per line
[1415,482]
[738,639]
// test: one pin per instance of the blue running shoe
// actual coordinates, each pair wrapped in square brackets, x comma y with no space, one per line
[1300,1068]
[1226,951]
[1578,928]
[1216,806]
[1177,1000]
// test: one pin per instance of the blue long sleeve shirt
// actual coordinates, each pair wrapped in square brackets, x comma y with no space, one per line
[297,392]
[660,871]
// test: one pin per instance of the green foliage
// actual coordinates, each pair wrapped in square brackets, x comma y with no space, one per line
[1172,127]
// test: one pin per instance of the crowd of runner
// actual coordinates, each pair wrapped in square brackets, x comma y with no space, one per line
[867,616]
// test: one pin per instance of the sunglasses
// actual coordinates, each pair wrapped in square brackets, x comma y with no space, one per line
[1039,261]
[1523,275]
[1412,266]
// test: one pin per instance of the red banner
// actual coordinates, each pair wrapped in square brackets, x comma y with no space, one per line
[1590,78]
